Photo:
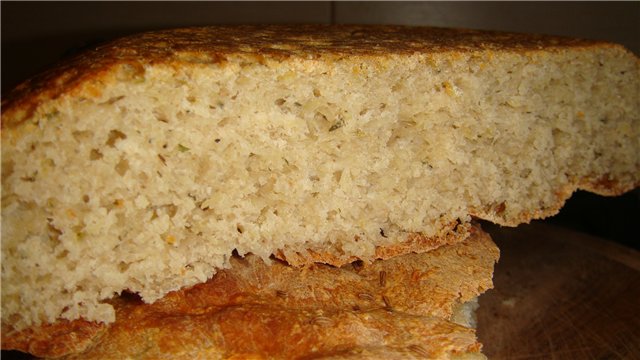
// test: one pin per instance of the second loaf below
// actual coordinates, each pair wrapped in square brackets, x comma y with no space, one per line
[143,164]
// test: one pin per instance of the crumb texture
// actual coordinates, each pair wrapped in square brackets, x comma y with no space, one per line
[414,305]
[144,173]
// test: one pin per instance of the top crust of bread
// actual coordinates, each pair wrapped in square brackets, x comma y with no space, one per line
[142,164]
[199,46]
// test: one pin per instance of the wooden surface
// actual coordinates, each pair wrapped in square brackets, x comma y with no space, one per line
[560,294]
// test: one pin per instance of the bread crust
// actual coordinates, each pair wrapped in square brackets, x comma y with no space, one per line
[414,243]
[199,46]
[271,310]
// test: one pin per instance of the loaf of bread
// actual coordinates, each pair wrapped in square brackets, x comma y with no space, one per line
[415,304]
[143,164]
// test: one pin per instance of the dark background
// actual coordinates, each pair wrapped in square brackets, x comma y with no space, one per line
[37,34]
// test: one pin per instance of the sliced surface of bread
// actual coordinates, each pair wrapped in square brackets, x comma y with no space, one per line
[142,165]
[420,304]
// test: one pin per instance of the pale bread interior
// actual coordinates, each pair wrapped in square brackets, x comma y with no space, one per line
[148,178]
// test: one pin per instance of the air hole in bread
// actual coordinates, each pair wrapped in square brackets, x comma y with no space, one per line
[224,122]
[114,137]
[160,116]
[172,210]
[337,175]
[30,178]
[7,168]
[95,154]
[122,167]
[82,136]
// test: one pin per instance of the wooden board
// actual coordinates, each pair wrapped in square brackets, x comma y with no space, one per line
[560,294]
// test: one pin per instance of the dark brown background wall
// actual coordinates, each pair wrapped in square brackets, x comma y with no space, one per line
[36,34]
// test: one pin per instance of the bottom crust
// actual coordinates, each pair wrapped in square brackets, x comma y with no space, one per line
[453,233]
[408,306]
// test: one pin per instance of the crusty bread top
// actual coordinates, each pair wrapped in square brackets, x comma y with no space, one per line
[216,44]
[273,311]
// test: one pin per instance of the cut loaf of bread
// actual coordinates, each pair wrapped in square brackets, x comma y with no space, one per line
[268,310]
[142,164]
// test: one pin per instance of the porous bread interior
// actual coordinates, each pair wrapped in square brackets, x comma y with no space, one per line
[150,181]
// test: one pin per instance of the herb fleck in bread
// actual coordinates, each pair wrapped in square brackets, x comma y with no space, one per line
[141,165]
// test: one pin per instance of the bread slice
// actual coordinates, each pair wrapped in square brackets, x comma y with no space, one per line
[410,304]
[142,164]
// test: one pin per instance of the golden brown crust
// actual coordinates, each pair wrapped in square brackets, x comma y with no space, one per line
[414,243]
[217,44]
[52,340]
[606,186]
[263,332]
[274,310]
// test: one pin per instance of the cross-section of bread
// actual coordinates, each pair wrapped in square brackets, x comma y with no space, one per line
[411,304]
[142,164]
